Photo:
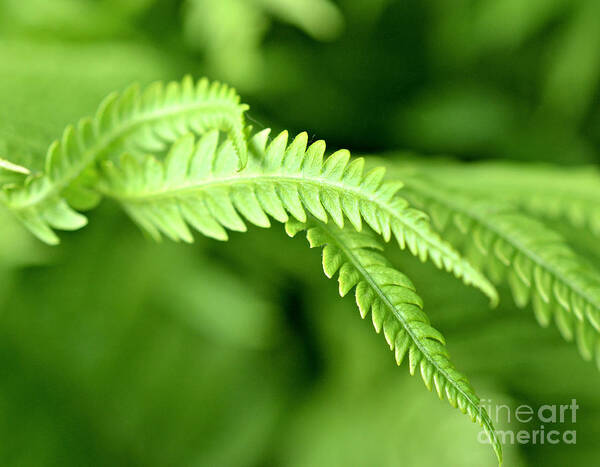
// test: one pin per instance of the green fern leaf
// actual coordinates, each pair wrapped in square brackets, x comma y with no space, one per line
[133,121]
[550,191]
[200,186]
[535,261]
[572,194]
[395,309]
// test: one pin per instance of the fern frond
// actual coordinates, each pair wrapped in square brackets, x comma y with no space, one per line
[131,121]
[200,186]
[545,190]
[395,309]
[534,260]
[572,194]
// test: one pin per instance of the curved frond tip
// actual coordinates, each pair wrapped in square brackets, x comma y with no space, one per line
[397,310]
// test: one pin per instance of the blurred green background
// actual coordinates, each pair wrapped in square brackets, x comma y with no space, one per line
[117,351]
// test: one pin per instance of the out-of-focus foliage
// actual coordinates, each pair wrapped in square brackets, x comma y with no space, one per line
[116,351]
[230,33]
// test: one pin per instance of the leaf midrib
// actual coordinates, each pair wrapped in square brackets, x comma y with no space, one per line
[319,182]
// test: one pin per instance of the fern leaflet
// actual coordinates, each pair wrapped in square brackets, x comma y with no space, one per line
[397,310]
